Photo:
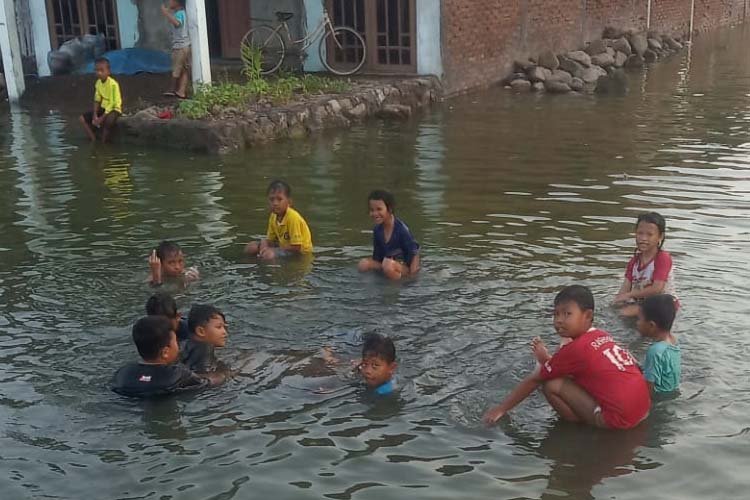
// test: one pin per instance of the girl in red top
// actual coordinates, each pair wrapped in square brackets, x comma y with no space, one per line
[649,272]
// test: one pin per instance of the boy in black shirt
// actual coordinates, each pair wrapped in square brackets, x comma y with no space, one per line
[162,304]
[208,330]
[158,374]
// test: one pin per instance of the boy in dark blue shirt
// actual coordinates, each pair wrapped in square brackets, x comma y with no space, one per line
[395,251]
[208,330]
[158,374]
[162,304]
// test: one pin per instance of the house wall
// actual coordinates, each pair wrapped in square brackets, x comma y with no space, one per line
[482,38]
[127,18]
[429,54]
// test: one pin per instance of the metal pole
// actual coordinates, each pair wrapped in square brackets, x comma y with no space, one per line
[692,17]
[648,15]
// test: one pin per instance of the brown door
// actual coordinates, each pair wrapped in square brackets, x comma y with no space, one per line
[234,21]
[73,18]
[389,30]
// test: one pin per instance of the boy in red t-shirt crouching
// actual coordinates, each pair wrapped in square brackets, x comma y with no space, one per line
[591,379]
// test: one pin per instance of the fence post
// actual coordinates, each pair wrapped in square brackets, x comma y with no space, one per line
[648,15]
[692,16]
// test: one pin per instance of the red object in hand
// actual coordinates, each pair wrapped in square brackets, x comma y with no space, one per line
[165,115]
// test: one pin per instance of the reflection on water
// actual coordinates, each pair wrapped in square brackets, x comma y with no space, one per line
[511,198]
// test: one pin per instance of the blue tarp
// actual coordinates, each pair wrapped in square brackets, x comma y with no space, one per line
[134,61]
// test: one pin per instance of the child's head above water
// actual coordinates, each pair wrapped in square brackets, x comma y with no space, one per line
[381,204]
[207,324]
[101,66]
[155,340]
[574,311]
[171,257]
[163,304]
[378,360]
[650,232]
[656,315]
[279,196]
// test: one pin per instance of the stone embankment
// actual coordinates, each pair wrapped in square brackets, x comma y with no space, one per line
[235,129]
[598,67]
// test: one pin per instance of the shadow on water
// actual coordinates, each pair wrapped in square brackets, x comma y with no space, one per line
[510,196]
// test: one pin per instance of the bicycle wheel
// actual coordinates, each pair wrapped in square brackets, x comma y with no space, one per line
[266,43]
[342,51]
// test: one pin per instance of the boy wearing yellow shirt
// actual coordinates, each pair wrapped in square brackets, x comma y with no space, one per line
[107,103]
[287,233]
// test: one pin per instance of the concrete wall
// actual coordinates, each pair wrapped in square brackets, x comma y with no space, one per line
[153,30]
[481,38]
[314,16]
[429,54]
[127,17]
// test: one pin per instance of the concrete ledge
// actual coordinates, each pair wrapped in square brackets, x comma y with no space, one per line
[237,129]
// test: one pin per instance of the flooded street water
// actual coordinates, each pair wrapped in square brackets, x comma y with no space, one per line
[511,197]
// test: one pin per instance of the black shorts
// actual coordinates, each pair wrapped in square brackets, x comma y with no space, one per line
[88,116]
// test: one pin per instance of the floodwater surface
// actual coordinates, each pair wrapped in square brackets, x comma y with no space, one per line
[512,197]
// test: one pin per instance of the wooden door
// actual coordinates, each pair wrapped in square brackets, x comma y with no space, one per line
[389,28]
[234,21]
[69,19]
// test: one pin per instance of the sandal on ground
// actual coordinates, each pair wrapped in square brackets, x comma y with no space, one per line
[169,94]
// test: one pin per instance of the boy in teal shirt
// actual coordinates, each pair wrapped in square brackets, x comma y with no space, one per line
[662,366]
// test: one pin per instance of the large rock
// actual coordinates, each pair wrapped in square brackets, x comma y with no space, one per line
[596,47]
[620,59]
[537,87]
[395,111]
[576,84]
[612,32]
[604,60]
[622,45]
[520,85]
[671,43]
[592,74]
[549,60]
[573,67]
[614,83]
[556,87]
[522,66]
[635,61]
[654,44]
[639,43]
[580,57]
[650,56]
[538,74]
[561,76]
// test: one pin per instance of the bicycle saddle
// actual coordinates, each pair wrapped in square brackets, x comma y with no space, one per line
[284,16]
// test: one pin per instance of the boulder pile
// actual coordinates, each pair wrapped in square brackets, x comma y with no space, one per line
[598,67]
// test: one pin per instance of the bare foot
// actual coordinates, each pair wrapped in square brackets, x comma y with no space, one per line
[539,348]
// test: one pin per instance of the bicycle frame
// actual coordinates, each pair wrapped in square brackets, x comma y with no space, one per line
[306,42]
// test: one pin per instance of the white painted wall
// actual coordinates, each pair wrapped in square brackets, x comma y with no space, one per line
[127,18]
[314,11]
[40,32]
[429,54]
[198,31]
[10,48]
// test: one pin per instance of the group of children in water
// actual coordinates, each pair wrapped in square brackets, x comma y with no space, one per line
[590,379]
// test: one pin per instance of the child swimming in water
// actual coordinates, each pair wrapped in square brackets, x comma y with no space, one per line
[287,232]
[649,272]
[168,261]
[208,330]
[158,374]
[163,304]
[377,366]
[591,379]
[395,251]
[662,367]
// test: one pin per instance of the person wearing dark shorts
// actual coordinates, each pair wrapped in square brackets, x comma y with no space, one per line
[107,104]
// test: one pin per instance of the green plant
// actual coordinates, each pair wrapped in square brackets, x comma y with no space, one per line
[252,64]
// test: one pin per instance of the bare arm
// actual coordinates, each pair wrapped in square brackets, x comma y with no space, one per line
[656,288]
[414,267]
[623,294]
[170,17]
[215,378]
[522,391]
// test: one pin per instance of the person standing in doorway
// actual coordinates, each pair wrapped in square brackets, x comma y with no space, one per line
[174,11]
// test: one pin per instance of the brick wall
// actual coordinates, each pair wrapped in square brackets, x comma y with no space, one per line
[482,38]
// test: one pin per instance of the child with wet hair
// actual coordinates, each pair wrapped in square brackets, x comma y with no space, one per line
[158,373]
[662,367]
[649,271]
[395,251]
[377,366]
[163,304]
[167,261]
[208,330]
[287,233]
[589,380]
